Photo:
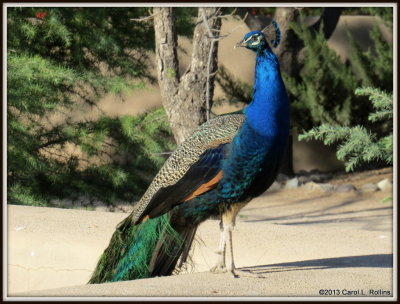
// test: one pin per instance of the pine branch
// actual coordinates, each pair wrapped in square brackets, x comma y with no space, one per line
[379,99]
[357,144]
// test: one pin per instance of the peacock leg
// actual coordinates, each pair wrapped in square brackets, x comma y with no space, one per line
[230,265]
[220,264]
[229,221]
[227,225]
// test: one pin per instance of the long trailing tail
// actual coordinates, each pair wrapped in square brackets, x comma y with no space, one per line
[149,249]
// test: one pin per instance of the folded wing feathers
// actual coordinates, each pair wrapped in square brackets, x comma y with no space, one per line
[217,131]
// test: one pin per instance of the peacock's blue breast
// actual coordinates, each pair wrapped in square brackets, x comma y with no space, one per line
[249,153]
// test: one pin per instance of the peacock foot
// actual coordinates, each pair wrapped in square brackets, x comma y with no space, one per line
[244,273]
[233,273]
[218,268]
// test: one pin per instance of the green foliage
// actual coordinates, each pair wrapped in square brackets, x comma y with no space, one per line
[183,20]
[381,101]
[58,66]
[385,13]
[119,157]
[359,145]
[386,199]
[82,38]
[322,93]
[368,141]
[22,195]
[373,67]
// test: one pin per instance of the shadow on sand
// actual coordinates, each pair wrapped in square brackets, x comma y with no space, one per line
[373,260]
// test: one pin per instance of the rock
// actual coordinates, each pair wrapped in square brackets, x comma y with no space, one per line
[345,188]
[276,186]
[385,185]
[369,188]
[304,179]
[282,177]
[318,187]
[317,178]
[314,177]
[326,187]
[311,186]
[302,172]
[292,183]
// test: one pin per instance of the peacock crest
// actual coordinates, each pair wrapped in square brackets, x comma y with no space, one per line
[272,33]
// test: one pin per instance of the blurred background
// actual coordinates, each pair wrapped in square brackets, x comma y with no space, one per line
[85,121]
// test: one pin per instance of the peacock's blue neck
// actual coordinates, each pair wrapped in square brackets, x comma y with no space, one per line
[268,113]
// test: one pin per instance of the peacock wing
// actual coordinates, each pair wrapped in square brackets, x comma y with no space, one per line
[194,168]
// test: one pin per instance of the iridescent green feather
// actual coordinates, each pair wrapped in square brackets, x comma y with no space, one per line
[131,249]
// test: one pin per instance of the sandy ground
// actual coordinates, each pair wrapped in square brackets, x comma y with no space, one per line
[297,242]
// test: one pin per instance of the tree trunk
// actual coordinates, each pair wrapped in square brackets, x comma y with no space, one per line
[184,97]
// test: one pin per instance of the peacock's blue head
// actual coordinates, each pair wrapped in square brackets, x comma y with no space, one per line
[260,40]
[254,40]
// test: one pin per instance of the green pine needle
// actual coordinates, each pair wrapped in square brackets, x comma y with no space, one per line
[357,144]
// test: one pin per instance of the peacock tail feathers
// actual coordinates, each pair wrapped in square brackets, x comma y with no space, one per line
[132,249]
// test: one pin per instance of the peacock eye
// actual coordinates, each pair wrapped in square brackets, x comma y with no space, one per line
[253,39]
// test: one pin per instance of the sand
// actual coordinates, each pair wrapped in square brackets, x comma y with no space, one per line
[287,243]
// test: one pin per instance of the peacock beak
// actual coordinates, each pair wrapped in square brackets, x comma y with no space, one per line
[240,44]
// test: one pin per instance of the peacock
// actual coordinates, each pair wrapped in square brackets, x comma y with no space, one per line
[226,162]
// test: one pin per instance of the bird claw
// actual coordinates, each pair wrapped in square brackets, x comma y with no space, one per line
[234,274]
[245,273]
[218,268]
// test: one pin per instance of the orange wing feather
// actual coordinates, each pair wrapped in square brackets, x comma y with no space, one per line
[212,183]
